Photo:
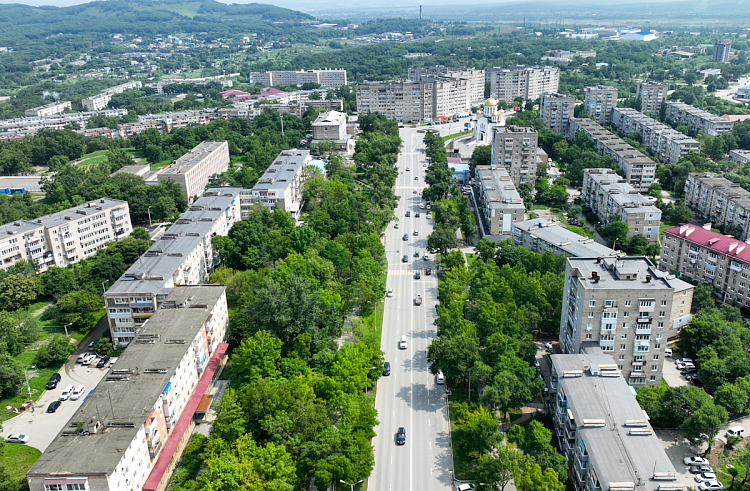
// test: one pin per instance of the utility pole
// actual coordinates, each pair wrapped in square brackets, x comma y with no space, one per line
[149,217]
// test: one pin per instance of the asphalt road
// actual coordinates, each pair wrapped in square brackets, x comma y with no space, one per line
[410,396]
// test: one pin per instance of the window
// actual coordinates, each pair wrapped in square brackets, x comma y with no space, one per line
[643,314]
[610,315]
[658,336]
[663,303]
[622,347]
[660,325]
[76,487]
[653,378]
[624,336]
[121,300]
[625,325]
[608,348]
[588,336]
[626,314]
[591,315]
[645,303]
[589,326]
[621,358]
[654,368]
[53,487]
[662,314]
[592,303]
[657,346]
[656,357]
[627,303]
[609,303]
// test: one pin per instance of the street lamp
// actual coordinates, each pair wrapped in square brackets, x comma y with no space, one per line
[350,484]
[149,217]
[66,328]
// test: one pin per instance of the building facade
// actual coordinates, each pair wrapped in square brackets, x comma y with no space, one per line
[538,235]
[100,101]
[280,187]
[193,170]
[528,82]
[475,77]
[432,99]
[132,425]
[486,121]
[599,102]
[49,109]
[720,201]
[697,119]
[624,307]
[328,78]
[607,194]
[652,94]
[722,50]
[556,110]
[742,157]
[598,422]
[499,202]
[515,149]
[329,126]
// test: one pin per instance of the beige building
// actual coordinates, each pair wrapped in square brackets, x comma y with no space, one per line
[475,76]
[100,101]
[719,201]
[599,102]
[668,144]
[193,170]
[607,194]
[556,111]
[126,432]
[515,149]
[528,82]
[652,94]
[499,204]
[280,187]
[49,109]
[697,119]
[538,235]
[639,170]
[183,255]
[700,255]
[328,78]
[624,307]
[329,126]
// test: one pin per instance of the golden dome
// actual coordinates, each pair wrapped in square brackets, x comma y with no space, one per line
[490,102]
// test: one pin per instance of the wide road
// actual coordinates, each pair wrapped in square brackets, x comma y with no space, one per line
[410,396]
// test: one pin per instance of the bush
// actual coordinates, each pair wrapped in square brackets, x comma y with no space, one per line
[56,352]
[51,313]
[11,375]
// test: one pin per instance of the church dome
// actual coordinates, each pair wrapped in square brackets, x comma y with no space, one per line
[490,102]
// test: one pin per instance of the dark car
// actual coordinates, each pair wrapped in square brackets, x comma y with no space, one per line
[408,213]
[406,237]
[53,406]
[416,215]
[401,436]
[386,368]
[686,371]
[428,271]
[405,259]
[53,381]
[417,275]
[696,381]
[102,361]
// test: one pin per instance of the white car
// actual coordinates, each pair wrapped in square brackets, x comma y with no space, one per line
[440,378]
[695,461]
[421,206]
[705,476]
[88,359]
[81,357]
[389,293]
[67,392]
[408,169]
[426,257]
[17,438]
[402,343]
[710,485]
[78,393]
[466,487]
[396,225]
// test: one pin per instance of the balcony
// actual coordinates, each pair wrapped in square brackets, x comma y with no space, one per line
[153,449]
[645,329]
[141,303]
[142,315]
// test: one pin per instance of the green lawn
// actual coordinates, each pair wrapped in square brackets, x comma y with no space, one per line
[470,258]
[18,459]
[37,382]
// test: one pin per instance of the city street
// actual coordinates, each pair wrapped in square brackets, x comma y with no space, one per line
[410,396]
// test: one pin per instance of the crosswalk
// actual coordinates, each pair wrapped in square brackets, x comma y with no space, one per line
[409,187]
[402,272]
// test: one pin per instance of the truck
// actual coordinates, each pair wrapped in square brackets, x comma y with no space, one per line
[418,300]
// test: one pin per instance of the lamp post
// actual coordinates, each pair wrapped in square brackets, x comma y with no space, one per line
[350,484]
[149,217]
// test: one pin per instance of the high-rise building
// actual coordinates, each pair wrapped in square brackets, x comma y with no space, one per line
[475,76]
[527,82]
[720,201]
[722,49]
[697,119]
[514,147]
[193,170]
[500,205]
[329,78]
[556,111]
[652,94]
[625,307]
[599,103]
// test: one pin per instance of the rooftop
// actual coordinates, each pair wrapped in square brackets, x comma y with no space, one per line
[713,241]
[194,157]
[280,174]
[80,211]
[617,456]
[725,187]
[618,189]
[330,118]
[564,239]
[17,227]
[123,402]
[623,273]
[497,187]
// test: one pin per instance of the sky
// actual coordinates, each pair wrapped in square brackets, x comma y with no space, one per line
[291,4]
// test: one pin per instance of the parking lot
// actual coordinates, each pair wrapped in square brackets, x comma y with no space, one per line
[673,376]
[43,427]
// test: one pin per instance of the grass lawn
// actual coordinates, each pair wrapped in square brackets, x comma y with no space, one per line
[37,382]
[446,138]
[38,305]
[470,258]
[18,459]
[161,164]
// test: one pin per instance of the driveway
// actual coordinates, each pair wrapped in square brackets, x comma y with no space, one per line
[671,375]
[676,451]
[43,427]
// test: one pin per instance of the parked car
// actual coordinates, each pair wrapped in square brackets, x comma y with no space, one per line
[81,357]
[89,359]
[112,361]
[416,215]
[67,392]
[710,485]
[736,431]
[705,476]
[695,461]
[388,294]
[17,438]
[700,469]
[78,393]
[102,361]
[440,378]
[53,381]
[396,225]
[466,487]
[401,436]
[426,257]
[421,206]
[416,232]
[53,406]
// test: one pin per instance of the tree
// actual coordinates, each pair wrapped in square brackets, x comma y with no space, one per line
[702,297]
[11,375]
[257,357]
[482,155]
[616,231]
[532,478]
[704,424]
[81,308]
[18,291]
[476,432]
[55,352]
[230,418]
[16,329]
[454,355]
[443,239]
[500,466]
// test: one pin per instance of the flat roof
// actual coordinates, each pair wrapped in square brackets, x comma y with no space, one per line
[80,211]
[123,403]
[616,455]
[730,190]
[498,188]
[330,118]
[18,227]
[622,193]
[564,239]
[194,157]
[281,172]
[611,272]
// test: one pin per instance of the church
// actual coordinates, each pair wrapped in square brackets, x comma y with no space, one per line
[487,121]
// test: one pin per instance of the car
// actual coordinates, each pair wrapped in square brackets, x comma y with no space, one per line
[396,225]
[428,271]
[416,253]
[688,370]
[695,461]
[67,392]
[408,169]
[401,436]
[53,406]
[17,438]
[408,213]
[416,215]
[402,343]
[112,361]
[405,259]
[705,476]
[429,215]
[440,378]
[81,357]
[683,360]
[416,178]
[416,233]
[537,365]
[405,237]
[696,381]
[53,381]
[426,257]
[466,487]
[428,206]
[549,346]
[421,206]
[91,346]
[89,359]
[389,293]
[710,485]
[386,369]
[700,469]
[78,393]
[102,362]
[417,276]
[545,391]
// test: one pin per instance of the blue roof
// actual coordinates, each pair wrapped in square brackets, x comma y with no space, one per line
[460,167]
[644,33]
[746,87]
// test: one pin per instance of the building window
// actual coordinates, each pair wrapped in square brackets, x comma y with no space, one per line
[609,303]
[662,314]
[622,357]
[663,303]
[660,325]
[654,368]
[656,357]
[589,326]
[653,378]
[625,325]
[626,314]
[627,303]
[624,336]
[657,346]
[588,336]
[592,303]
[622,347]
[591,315]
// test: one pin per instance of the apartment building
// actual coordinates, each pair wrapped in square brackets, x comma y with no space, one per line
[528,82]
[434,98]
[742,157]
[668,144]
[24,240]
[49,109]
[652,94]
[722,50]
[166,122]
[515,149]
[698,254]
[329,126]
[221,79]
[556,110]
[719,201]
[281,185]
[132,427]
[183,255]
[639,170]
[100,100]
[194,170]
[623,306]
[599,102]
[475,76]
[250,112]
[17,128]
[500,205]
[538,235]
[602,431]
[697,119]
[328,78]
[606,193]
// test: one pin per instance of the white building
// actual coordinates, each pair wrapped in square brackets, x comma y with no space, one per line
[639,36]
[476,77]
[328,78]
[486,122]
[329,126]
[432,99]
[49,109]
[599,102]
[528,82]
[499,204]
[193,170]
[281,185]
[100,101]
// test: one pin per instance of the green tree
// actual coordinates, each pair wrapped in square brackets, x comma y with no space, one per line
[704,424]
[18,291]
[500,466]
[702,297]
[476,432]
[80,308]
[532,478]
[482,155]
[229,424]
[442,239]
[257,357]
[616,231]
[11,375]
[55,352]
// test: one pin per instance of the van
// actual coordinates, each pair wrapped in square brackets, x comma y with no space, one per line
[738,431]
[668,352]
[77,393]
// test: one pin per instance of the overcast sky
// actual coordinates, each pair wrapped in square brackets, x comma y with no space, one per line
[292,4]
